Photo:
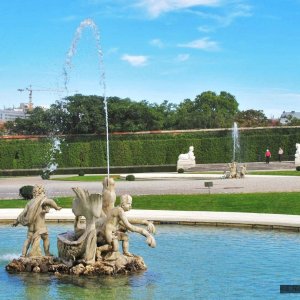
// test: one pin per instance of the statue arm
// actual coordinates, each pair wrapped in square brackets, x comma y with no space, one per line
[150,239]
[149,224]
[51,203]
[16,223]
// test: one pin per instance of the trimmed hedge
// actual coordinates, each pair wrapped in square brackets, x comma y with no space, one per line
[146,150]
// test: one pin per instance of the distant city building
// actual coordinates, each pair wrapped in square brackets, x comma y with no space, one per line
[286,116]
[10,114]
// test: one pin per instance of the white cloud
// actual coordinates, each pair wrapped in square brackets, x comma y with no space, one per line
[135,60]
[183,57]
[230,14]
[157,43]
[157,7]
[202,44]
[205,28]
[70,18]
[112,50]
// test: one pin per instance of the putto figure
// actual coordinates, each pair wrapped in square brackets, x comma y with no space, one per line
[33,216]
[114,227]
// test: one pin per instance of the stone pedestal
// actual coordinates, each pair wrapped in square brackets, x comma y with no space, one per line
[185,164]
[297,162]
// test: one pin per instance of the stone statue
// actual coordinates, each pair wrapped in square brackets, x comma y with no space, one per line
[93,247]
[113,229]
[33,216]
[81,245]
[243,171]
[186,160]
[96,242]
[108,195]
[297,155]
[233,170]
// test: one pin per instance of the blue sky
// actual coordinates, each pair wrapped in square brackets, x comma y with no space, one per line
[154,50]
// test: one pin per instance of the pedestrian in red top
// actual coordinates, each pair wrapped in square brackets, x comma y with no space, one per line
[268,156]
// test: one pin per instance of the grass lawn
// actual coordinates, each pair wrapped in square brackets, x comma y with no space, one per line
[93,178]
[281,173]
[275,203]
[99,178]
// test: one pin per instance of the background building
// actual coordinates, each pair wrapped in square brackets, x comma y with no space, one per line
[10,114]
[286,116]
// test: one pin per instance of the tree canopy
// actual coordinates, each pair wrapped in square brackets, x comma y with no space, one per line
[81,114]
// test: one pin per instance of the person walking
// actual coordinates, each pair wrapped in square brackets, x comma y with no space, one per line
[268,156]
[280,154]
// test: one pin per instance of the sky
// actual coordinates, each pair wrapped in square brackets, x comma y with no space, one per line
[153,50]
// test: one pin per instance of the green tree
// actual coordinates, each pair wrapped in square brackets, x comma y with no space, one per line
[79,114]
[251,118]
[208,110]
[38,122]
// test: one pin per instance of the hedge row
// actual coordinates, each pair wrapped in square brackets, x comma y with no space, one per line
[91,151]
[92,170]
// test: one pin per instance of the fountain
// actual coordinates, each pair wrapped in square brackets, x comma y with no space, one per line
[89,23]
[234,170]
[92,248]
[55,143]
[236,141]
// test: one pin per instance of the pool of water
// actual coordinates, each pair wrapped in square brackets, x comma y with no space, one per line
[189,262]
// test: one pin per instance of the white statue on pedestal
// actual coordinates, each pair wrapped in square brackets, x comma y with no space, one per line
[297,155]
[186,160]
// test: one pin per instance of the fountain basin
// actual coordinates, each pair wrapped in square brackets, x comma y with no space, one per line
[190,262]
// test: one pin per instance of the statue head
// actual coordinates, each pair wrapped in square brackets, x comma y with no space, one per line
[38,190]
[126,202]
[108,183]
[191,148]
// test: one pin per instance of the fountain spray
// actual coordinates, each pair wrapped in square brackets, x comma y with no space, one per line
[68,65]
[236,141]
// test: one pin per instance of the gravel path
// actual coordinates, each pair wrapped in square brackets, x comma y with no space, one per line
[9,187]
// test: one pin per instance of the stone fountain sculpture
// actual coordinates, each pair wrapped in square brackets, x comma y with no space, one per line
[236,171]
[186,160]
[93,247]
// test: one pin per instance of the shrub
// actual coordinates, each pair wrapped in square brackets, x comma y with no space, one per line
[130,177]
[26,192]
[45,175]
[180,170]
[298,168]
[81,173]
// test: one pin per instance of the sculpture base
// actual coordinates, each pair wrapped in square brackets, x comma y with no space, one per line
[185,164]
[53,265]
[297,162]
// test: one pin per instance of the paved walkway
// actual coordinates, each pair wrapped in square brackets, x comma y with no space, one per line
[252,220]
[173,183]
[9,188]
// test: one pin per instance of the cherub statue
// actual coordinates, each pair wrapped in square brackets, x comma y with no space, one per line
[243,171]
[109,199]
[113,228]
[108,195]
[233,169]
[33,216]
